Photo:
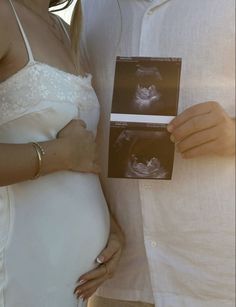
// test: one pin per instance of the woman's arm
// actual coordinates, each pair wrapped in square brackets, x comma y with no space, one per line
[74,149]
[20,162]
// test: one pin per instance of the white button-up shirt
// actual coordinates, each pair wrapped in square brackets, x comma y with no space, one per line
[180,233]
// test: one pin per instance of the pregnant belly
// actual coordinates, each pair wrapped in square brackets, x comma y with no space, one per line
[61,224]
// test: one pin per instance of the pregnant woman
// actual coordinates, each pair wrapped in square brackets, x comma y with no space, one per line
[54,220]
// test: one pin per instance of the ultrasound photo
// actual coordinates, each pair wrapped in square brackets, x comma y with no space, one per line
[146,86]
[145,100]
[136,153]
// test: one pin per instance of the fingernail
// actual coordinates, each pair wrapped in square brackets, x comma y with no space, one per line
[78,292]
[100,259]
[172,138]
[82,281]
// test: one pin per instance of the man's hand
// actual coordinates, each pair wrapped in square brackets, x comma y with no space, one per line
[108,261]
[203,129]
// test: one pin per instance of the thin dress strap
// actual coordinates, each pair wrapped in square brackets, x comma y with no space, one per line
[29,50]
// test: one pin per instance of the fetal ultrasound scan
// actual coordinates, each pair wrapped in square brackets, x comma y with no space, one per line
[146,86]
[145,100]
[140,154]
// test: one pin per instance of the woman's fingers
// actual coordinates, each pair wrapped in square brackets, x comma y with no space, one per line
[82,123]
[79,147]
[72,127]
[93,274]
[113,246]
[95,279]
[87,294]
[108,259]
[89,285]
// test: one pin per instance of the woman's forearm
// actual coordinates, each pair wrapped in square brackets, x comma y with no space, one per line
[73,149]
[19,162]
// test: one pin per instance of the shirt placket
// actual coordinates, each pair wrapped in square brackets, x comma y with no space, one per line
[146,196]
[146,186]
[150,237]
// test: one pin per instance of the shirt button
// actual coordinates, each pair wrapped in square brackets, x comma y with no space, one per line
[150,12]
[153,244]
[147,186]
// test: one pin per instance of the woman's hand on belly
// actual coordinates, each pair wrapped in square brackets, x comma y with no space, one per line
[108,261]
[74,149]
[79,147]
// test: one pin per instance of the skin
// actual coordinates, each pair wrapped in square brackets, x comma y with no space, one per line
[203,129]
[74,148]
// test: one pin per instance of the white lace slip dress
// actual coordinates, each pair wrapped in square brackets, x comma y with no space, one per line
[52,228]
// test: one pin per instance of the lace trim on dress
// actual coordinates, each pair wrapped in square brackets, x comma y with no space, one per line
[37,83]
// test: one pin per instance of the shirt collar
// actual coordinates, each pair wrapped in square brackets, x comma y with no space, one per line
[156,2]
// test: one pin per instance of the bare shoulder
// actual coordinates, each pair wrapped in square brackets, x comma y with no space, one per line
[5,27]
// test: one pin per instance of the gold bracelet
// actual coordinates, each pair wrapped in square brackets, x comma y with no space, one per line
[40,153]
[39,147]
